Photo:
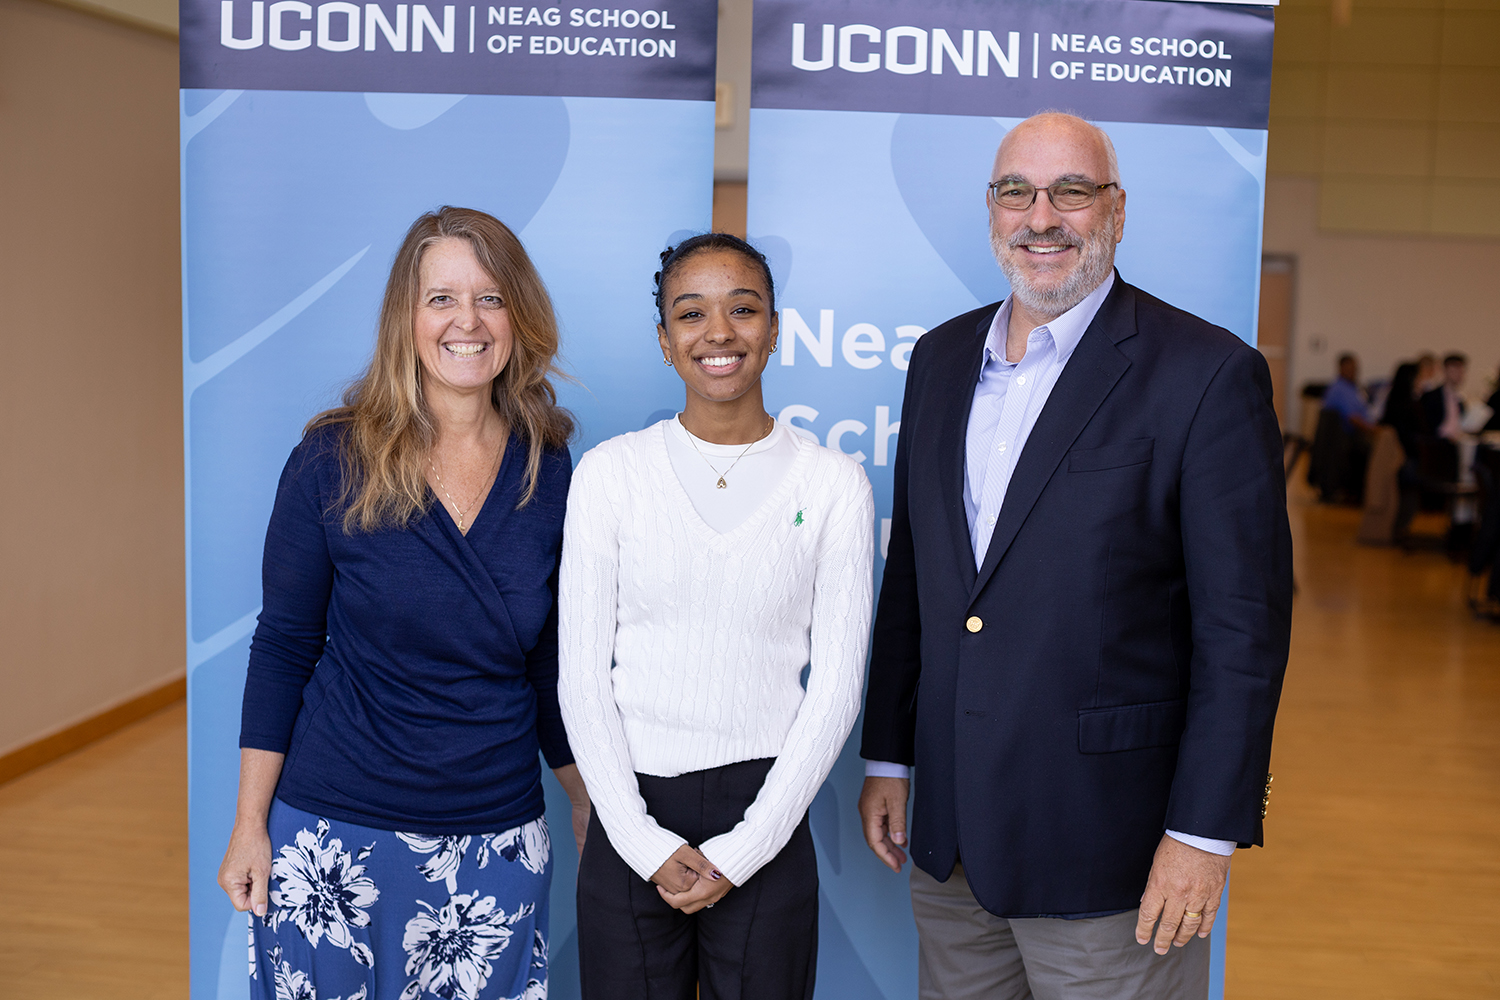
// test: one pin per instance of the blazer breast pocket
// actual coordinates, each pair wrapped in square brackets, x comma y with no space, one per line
[1112,456]
[1131,727]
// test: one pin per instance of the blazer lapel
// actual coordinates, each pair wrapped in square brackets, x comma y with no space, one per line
[952,445]
[1092,371]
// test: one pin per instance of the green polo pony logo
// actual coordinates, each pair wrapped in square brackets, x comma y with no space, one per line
[798,522]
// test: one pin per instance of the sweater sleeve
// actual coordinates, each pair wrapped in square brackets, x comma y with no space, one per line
[296,581]
[587,601]
[840,635]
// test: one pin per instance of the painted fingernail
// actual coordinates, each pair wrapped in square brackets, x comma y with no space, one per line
[717,875]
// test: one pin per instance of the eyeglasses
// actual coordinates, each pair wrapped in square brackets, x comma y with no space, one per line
[1066,196]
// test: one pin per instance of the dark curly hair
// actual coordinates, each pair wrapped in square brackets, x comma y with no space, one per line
[672,258]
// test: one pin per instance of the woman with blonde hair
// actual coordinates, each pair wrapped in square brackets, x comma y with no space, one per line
[403,675]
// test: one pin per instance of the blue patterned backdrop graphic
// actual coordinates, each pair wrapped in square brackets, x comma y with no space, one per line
[877,230]
[293,205]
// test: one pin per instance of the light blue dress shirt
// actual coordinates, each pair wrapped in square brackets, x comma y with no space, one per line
[1007,401]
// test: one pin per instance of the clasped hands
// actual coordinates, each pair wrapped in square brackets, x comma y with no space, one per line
[689,882]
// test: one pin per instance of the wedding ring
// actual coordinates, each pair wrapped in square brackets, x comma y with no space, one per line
[1191,916]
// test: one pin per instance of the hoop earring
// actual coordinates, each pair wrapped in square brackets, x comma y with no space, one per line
[666,361]
[773,348]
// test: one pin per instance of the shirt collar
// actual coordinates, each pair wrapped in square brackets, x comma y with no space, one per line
[1066,330]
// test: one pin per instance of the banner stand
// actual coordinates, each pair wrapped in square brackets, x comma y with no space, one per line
[873,128]
[312,135]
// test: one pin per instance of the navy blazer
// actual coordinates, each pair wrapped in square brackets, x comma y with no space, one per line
[1113,668]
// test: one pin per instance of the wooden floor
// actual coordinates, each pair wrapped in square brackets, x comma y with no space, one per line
[93,870]
[1381,878]
[1381,872]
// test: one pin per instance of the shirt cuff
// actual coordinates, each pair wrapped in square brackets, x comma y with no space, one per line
[886,769]
[1223,848]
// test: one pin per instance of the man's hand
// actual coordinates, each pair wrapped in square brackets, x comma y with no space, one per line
[882,811]
[683,870]
[710,887]
[1184,890]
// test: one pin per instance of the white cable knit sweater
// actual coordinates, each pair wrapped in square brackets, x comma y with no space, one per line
[681,648]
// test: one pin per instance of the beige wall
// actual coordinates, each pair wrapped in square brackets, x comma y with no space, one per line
[1395,105]
[156,16]
[1387,298]
[91,603]
[732,141]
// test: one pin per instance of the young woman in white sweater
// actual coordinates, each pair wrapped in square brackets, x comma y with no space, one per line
[706,561]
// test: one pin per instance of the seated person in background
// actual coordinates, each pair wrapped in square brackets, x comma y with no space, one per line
[1341,447]
[1444,406]
[1347,399]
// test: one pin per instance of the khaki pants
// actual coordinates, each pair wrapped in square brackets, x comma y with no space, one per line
[968,953]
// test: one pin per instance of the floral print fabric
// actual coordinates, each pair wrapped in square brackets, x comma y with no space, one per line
[363,914]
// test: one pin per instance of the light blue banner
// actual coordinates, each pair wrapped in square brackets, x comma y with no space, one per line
[293,205]
[877,231]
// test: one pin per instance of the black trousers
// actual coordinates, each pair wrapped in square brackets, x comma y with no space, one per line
[760,942]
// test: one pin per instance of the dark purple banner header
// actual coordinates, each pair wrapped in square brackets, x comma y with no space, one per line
[665,52]
[1109,60]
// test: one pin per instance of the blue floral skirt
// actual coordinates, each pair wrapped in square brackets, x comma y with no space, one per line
[364,914]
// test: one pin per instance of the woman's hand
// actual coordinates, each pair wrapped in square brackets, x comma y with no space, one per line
[684,869]
[246,872]
[707,890]
[572,783]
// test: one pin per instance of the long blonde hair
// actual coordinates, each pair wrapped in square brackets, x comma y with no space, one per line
[387,425]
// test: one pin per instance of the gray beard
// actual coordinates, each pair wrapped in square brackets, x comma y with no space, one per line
[1096,260]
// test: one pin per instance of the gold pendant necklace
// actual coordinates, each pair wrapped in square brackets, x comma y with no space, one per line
[464,511]
[723,484]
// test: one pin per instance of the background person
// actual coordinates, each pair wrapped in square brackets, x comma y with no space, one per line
[1443,406]
[404,670]
[1403,414]
[1346,398]
[1085,614]
[1341,447]
[1447,456]
[1396,479]
[708,559]
[1493,424]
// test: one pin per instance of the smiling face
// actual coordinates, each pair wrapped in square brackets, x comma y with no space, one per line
[1054,259]
[719,327]
[461,325]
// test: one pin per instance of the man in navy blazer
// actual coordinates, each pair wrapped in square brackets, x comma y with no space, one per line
[1083,627]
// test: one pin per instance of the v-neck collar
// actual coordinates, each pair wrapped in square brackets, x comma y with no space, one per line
[678,493]
[501,485]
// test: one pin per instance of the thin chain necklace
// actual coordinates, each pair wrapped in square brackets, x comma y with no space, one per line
[463,512]
[722,483]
